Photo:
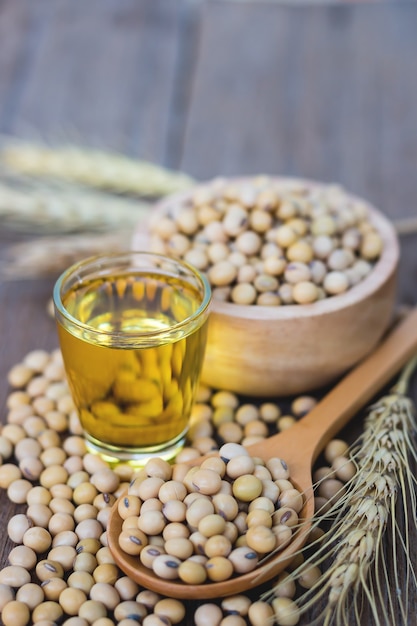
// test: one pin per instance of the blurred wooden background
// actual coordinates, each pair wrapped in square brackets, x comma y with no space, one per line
[321,90]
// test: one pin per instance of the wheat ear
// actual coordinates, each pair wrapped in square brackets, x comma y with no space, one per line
[42,207]
[48,256]
[104,170]
[354,551]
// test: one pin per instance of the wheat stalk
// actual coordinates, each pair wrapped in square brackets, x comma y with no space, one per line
[48,256]
[93,168]
[41,207]
[353,550]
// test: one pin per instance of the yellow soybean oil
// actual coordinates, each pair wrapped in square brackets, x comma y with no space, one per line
[133,361]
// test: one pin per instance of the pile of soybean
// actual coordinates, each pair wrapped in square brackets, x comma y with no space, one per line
[269,241]
[211,521]
[60,569]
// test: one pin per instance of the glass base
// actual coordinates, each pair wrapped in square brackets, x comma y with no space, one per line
[137,456]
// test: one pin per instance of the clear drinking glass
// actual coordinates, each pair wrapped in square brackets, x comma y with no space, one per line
[132,329]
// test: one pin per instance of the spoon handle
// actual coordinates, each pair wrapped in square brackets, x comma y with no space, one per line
[307,438]
[362,383]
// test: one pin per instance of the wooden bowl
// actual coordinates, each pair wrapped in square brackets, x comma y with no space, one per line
[293,349]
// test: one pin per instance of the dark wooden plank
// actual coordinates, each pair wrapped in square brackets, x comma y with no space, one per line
[311,90]
[185,67]
[15,26]
[101,74]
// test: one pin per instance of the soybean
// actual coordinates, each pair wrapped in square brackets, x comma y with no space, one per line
[245,246]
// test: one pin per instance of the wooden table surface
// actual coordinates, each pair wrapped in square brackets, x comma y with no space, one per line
[322,90]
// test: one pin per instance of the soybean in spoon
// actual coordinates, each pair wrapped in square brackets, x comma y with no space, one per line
[299,446]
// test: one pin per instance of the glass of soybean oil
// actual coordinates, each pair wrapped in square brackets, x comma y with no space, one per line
[132,329]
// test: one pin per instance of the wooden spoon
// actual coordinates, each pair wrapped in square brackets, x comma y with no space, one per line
[299,446]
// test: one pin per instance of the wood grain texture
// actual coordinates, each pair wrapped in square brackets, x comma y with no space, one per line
[100,74]
[326,91]
[309,91]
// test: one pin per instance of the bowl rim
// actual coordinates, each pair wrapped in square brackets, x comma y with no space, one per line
[380,273]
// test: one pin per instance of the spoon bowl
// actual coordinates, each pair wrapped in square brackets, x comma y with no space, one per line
[299,446]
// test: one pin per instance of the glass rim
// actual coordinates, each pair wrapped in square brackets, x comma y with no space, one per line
[71,272]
